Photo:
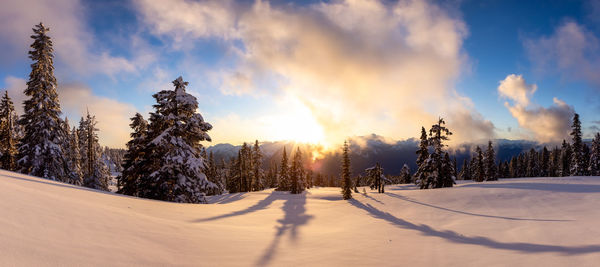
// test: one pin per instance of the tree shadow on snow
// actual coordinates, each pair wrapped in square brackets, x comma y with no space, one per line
[564,188]
[475,240]
[372,198]
[473,214]
[261,205]
[226,198]
[295,216]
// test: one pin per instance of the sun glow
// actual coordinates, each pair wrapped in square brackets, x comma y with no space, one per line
[295,123]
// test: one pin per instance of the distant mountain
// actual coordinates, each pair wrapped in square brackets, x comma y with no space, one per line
[371,149]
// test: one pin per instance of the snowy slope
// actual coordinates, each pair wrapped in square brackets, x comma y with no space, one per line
[519,222]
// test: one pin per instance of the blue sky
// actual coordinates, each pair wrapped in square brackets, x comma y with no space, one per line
[321,71]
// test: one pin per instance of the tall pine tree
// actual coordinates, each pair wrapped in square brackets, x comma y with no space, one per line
[129,178]
[257,171]
[297,174]
[577,160]
[95,171]
[40,151]
[478,168]
[346,182]
[284,175]
[490,163]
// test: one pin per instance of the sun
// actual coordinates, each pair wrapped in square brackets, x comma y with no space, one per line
[295,123]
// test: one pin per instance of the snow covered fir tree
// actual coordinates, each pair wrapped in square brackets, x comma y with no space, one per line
[436,170]
[40,152]
[172,167]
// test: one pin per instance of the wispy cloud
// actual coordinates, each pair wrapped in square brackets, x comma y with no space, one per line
[571,51]
[75,46]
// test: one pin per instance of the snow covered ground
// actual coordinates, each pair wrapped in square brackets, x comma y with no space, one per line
[516,222]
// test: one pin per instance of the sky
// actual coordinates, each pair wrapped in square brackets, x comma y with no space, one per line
[321,71]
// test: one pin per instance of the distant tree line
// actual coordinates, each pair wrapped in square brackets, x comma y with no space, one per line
[573,158]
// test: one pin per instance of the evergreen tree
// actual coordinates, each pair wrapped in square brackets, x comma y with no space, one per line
[40,151]
[95,172]
[423,152]
[296,174]
[447,171]
[128,181]
[257,172]
[284,175]
[346,182]
[490,163]
[472,167]
[309,179]
[8,137]
[214,176]
[72,157]
[478,167]
[376,178]
[465,172]
[532,167]
[405,176]
[594,165]
[577,164]
[565,159]
[585,161]
[513,167]
[544,162]
[553,166]
[272,176]
[173,160]
[454,169]
[431,172]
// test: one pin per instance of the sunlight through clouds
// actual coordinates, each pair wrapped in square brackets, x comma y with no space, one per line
[381,67]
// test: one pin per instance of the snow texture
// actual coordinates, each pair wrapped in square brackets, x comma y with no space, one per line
[511,222]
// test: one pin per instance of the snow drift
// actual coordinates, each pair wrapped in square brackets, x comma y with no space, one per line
[523,222]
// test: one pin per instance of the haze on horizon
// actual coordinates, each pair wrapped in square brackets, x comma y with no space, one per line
[321,71]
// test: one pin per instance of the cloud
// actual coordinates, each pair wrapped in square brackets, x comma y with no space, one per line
[515,88]
[550,124]
[359,66]
[74,45]
[75,99]
[571,51]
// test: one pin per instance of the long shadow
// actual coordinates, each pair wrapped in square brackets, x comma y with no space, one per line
[295,216]
[566,188]
[372,198]
[402,187]
[262,204]
[474,214]
[475,240]
[226,198]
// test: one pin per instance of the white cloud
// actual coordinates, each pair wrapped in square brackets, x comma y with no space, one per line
[74,46]
[515,88]
[571,51]
[360,66]
[550,124]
